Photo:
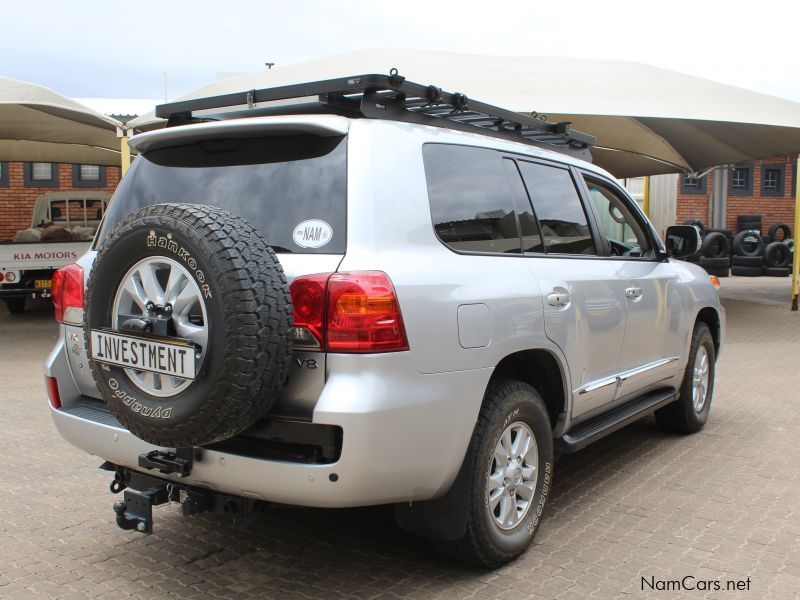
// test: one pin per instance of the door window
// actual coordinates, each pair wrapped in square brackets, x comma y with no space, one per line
[623,232]
[557,205]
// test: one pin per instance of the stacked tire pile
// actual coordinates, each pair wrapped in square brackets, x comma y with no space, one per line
[748,253]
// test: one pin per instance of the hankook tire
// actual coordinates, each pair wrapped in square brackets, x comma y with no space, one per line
[200,276]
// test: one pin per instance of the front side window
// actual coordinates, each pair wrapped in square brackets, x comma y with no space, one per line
[623,232]
[470,200]
[562,219]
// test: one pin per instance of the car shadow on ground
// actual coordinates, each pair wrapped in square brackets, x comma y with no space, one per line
[360,550]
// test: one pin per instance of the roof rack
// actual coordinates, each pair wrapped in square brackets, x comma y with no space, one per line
[393,97]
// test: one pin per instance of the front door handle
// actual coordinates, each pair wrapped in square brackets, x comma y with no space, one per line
[558,299]
[633,292]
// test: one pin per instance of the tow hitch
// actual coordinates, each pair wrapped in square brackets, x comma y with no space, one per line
[143,492]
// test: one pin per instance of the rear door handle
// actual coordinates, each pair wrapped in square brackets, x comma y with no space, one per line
[633,292]
[558,299]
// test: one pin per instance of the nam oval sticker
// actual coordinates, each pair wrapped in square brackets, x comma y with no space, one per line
[312,234]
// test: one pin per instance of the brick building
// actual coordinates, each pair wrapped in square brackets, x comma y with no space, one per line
[762,187]
[21,184]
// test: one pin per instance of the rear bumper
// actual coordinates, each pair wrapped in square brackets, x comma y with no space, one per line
[404,436]
[23,292]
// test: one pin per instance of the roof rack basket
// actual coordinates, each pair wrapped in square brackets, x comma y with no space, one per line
[391,97]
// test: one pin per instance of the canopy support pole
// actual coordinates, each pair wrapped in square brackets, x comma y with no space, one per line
[796,261]
[646,200]
[719,199]
[124,150]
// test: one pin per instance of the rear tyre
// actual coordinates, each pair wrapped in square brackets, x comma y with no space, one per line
[689,412]
[510,470]
[15,305]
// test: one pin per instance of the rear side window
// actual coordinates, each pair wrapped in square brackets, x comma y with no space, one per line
[292,189]
[470,200]
[562,219]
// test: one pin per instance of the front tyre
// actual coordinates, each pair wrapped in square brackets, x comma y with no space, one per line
[689,412]
[510,469]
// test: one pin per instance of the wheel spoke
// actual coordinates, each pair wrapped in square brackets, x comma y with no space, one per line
[134,290]
[506,510]
[495,481]
[494,498]
[147,274]
[183,301]
[506,442]
[520,443]
[528,473]
[195,333]
[525,492]
[175,285]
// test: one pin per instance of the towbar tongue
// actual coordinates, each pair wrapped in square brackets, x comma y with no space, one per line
[136,511]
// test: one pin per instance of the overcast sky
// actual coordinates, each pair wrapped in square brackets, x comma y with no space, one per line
[103,49]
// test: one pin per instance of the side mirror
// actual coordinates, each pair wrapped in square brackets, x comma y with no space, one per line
[683,240]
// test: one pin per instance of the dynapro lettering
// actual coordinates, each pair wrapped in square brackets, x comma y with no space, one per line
[136,406]
[167,243]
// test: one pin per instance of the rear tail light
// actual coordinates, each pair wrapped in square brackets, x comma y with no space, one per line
[11,277]
[52,392]
[67,291]
[348,312]
[2,277]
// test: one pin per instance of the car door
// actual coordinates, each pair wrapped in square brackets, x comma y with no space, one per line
[583,298]
[652,344]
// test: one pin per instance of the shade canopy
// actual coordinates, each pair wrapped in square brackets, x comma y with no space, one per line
[38,124]
[646,120]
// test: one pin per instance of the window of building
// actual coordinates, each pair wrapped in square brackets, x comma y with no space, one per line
[558,208]
[772,176]
[693,185]
[88,176]
[3,174]
[41,171]
[40,174]
[470,200]
[741,181]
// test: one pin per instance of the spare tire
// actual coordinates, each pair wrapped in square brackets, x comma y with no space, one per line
[194,279]
[787,233]
[715,245]
[776,255]
[748,243]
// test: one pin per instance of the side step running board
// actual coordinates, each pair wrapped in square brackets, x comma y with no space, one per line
[602,425]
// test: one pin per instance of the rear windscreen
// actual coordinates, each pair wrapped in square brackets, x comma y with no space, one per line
[292,189]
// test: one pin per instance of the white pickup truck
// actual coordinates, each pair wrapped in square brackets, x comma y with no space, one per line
[62,229]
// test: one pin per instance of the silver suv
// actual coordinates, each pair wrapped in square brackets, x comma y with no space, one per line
[393,295]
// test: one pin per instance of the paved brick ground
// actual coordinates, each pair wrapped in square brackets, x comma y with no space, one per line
[720,505]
